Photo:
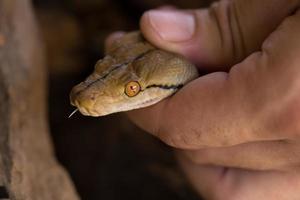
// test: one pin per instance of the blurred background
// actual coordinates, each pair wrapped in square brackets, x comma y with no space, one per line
[108,157]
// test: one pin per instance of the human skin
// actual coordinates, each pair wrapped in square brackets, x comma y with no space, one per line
[236,129]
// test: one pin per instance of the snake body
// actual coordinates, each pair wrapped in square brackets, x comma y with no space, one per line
[133,74]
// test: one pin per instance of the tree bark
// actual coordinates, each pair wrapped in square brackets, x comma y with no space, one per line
[28,169]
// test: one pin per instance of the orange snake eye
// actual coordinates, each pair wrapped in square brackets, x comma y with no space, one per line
[132,88]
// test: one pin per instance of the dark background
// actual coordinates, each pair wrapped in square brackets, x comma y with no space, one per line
[108,158]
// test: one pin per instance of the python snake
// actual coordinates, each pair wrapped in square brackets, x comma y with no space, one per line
[133,74]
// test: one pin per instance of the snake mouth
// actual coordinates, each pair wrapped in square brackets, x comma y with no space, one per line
[85,110]
[88,112]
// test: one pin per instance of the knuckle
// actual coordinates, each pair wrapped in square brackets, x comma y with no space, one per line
[226,15]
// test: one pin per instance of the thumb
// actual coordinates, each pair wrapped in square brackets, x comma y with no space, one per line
[221,35]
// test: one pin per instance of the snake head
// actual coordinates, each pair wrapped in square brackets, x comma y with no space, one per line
[134,74]
[108,91]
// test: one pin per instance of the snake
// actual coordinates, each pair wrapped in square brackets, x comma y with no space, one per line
[132,75]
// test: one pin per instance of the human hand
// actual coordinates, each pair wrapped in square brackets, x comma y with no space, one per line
[237,132]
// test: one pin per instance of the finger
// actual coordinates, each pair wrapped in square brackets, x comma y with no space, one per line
[235,184]
[272,155]
[257,100]
[219,36]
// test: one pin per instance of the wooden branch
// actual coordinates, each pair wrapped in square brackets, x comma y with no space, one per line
[28,169]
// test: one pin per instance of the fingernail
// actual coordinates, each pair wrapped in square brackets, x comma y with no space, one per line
[172,26]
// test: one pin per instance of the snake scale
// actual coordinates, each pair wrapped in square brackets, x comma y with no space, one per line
[133,74]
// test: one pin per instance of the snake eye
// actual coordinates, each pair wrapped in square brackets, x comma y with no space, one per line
[132,88]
